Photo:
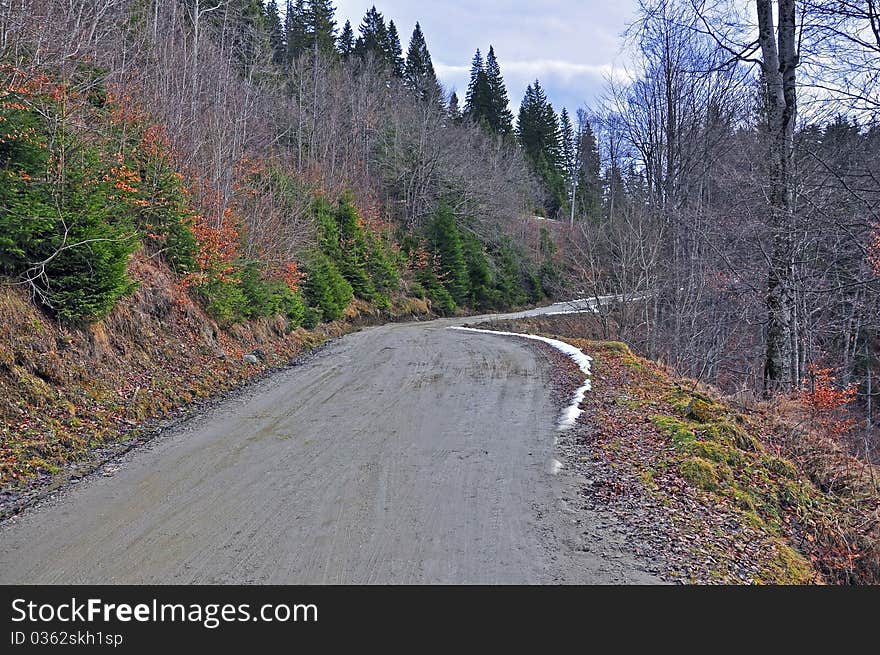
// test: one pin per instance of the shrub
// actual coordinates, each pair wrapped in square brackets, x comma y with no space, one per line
[479,273]
[311,317]
[224,300]
[269,297]
[326,289]
[446,243]
[417,290]
[64,230]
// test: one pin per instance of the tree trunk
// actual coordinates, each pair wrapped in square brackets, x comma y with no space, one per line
[779,50]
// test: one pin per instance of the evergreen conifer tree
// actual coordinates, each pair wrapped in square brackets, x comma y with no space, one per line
[295,33]
[454,110]
[481,294]
[569,160]
[446,242]
[500,118]
[276,34]
[539,136]
[589,183]
[321,26]
[394,51]
[373,37]
[419,72]
[345,42]
[478,102]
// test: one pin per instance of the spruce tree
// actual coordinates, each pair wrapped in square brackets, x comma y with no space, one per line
[418,74]
[478,101]
[353,250]
[482,295]
[589,183]
[500,118]
[321,26]
[567,140]
[569,159]
[373,37]
[345,42]
[454,110]
[295,33]
[446,243]
[394,51]
[276,34]
[539,136]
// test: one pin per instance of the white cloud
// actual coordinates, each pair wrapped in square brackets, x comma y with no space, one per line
[537,68]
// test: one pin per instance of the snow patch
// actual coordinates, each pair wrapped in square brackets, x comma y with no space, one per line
[571,413]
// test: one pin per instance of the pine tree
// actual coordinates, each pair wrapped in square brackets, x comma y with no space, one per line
[418,74]
[276,33]
[481,295]
[248,31]
[446,243]
[569,151]
[353,251]
[295,33]
[477,105]
[345,42]
[454,110]
[373,39]
[321,26]
[394,51]
[588,199]
[539,137]
[500,118]
[569,159]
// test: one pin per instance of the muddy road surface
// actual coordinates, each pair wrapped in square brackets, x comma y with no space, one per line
[400,454]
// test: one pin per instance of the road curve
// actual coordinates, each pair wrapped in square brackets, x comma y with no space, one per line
[401,454]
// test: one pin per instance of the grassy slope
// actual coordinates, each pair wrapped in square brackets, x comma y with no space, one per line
[723,495]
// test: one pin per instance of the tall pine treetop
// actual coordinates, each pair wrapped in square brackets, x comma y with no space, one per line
[419,72]
[478,102]
[540,139]
[500,117]
[276,33]
[373,37]
[295,32]
[477,68]
[454,110]
[569,147]
[394,51]
[321,25]
[345,43]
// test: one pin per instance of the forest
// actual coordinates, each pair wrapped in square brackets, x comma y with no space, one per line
[279,162]
[277,165]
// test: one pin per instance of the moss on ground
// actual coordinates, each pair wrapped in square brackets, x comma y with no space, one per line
[700,472]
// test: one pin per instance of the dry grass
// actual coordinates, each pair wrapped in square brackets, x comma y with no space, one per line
[833,519]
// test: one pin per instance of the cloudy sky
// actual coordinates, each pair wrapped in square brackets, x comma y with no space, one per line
[570,45]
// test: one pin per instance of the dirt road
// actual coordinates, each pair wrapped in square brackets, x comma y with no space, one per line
[400,454]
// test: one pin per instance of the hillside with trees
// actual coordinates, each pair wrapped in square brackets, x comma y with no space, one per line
[236,143]
[193,192]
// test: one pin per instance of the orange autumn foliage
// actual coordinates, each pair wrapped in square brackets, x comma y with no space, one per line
[290,274]
[218,246]
[825,401]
